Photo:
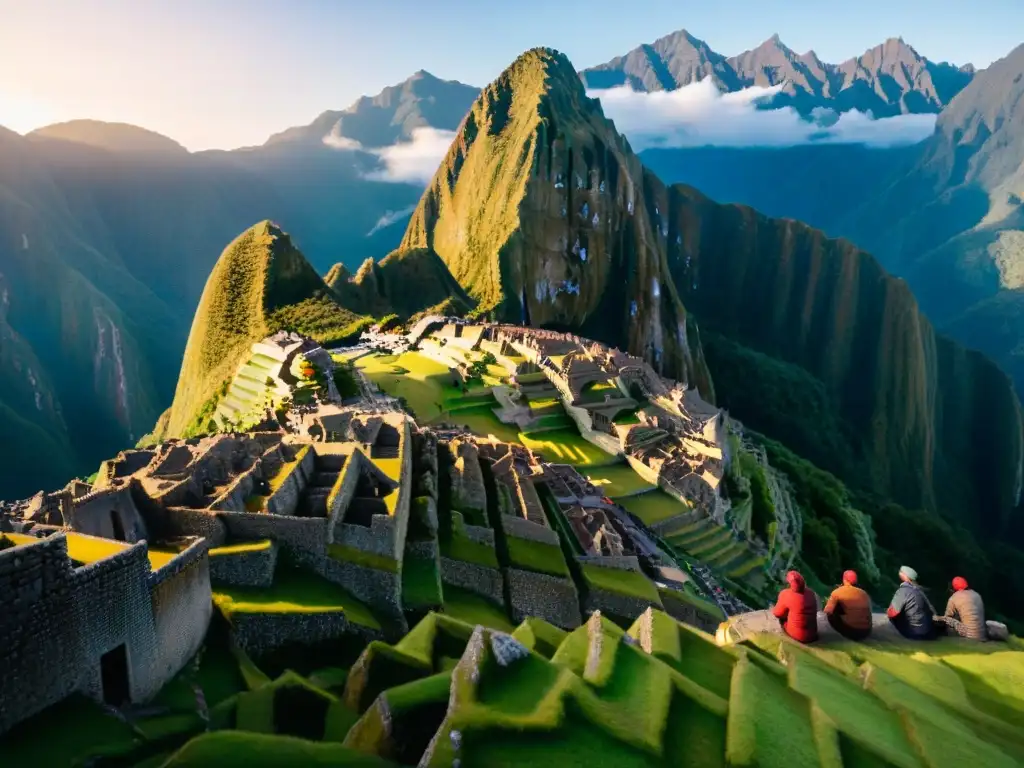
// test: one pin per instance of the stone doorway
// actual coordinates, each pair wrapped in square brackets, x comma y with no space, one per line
[114,674]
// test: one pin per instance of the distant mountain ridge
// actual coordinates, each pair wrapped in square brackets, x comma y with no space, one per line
[889,79]
[420,101]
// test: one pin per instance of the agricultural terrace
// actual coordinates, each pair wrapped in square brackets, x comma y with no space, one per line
[618,480]
[294,591]
[654,506]
[714,545]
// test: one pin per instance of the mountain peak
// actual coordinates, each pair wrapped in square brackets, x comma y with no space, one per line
[544,215]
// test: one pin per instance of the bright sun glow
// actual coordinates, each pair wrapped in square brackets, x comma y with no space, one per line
[21,113]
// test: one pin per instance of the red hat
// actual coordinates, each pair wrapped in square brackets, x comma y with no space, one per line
[795,580]
[959,583]
[850,576]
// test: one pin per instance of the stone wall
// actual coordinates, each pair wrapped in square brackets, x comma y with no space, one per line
[377,588]
[486,582]
[524,529]
[623,606]
[684,612]
[112,600]
[109,513]
[258,633]
[547,597]
[182,606]
[621,562]
[285,498]
[240,489]
[253,568]
[303,538]
[183,521]
[40,653]
[342,491]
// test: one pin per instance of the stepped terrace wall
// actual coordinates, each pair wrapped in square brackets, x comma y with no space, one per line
[248,564]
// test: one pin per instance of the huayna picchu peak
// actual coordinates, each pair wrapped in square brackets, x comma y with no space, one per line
[545,216]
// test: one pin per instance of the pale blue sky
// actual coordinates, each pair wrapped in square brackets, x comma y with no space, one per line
[227,73]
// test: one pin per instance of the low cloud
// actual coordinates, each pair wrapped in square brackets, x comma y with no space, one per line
[337,141]
[414,161]
[391,217]
[407,162]
[701,115]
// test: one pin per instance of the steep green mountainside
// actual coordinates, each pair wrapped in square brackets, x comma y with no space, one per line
[915,416]
[85,344]
[402,283]
[421,101]
[544,215]
[889,79]
[260,284]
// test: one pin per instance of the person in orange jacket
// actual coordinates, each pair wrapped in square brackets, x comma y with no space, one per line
[797,610]
[849,609]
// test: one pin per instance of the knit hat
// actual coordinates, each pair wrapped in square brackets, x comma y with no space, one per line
[959,583]
[909,572]
[850,577]
[795,581]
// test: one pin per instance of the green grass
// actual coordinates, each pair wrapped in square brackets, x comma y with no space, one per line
[620,480]
[294,591]
[460,547]
[481,421]
[654,506]
[254,750]
[567,447]
[623,582]
[424,383]
[420,583]
[65,733]
[473,609]
[704,606]
[536,556]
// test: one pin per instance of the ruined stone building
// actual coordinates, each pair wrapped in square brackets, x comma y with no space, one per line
[116,628]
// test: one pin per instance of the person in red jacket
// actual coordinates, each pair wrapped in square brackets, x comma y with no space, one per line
[797,610]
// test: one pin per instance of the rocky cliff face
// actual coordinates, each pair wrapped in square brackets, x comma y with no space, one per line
[545,216]
[930,423]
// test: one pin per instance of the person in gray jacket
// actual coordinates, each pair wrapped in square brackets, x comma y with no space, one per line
[910,610]
[965,611]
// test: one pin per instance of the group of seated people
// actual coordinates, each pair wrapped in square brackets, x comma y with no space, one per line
[849,610]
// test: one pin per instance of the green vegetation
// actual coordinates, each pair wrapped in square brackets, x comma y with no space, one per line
[345,381]
[620,581]
[595,392]
[567,447]
[294,591]
[668,697]
[473,609]
[421,585]
[617,480]
[260,284]
[654,506]
[458,546]
[536,556]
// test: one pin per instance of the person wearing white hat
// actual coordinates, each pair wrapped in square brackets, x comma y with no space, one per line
[910,610]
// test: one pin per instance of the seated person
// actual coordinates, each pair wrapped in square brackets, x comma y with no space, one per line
[797,610]
[910,611]
[849,609]
[965,611]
